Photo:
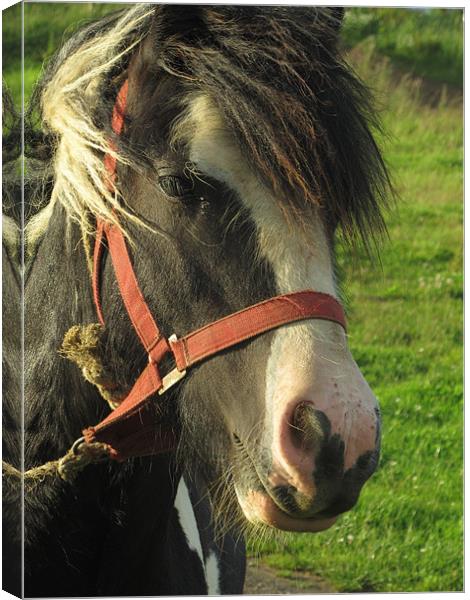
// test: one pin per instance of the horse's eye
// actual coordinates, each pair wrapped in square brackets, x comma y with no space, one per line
[174,186]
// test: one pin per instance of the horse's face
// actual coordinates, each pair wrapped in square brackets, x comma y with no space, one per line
[287,417]
[288,414]
[303,420]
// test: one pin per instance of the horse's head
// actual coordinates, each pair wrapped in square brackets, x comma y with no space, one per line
[246,144]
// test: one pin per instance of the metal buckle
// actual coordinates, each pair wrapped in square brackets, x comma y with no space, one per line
[171,378]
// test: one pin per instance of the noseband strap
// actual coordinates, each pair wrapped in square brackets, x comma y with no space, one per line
[131,429]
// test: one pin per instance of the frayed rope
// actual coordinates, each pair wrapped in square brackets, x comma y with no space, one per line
[67,467]
[82,345]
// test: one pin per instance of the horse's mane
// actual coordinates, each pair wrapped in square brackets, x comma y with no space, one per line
[11,152]
[274,73]
[64,113]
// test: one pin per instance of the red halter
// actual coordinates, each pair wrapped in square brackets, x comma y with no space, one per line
[131,430]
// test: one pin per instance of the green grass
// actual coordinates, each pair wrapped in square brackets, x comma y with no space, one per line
[428,42]
[405,317]
[405,325]
[46,26]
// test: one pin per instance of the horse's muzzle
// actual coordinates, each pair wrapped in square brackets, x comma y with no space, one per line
[311,485]
[259,508]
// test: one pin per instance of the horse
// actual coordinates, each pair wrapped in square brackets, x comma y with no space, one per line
[225,146]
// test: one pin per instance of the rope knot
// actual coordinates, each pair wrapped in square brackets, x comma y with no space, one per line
[79,456]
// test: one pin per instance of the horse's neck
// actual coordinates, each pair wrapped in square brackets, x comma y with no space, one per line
[113,505]
[58,402]
[125,530]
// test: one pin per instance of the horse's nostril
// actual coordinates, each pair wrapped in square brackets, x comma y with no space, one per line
[307,427]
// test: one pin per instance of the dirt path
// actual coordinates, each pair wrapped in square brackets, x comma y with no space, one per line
[261,579]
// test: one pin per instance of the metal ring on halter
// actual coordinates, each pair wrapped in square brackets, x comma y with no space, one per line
[76,445]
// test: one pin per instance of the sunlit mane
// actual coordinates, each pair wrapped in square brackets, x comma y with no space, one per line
[70,101]
[280,87]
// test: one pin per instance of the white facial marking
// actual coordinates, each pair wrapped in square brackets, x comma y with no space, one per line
[309,361]
[213,575]
[299,259]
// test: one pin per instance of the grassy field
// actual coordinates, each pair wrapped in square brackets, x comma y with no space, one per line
[405,324]
[427,42]
[45,27]
[405,316]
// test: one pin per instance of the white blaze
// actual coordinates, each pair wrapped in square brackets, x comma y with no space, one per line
[299,256]
[309,360]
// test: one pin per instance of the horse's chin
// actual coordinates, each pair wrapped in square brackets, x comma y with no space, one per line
[259,508]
